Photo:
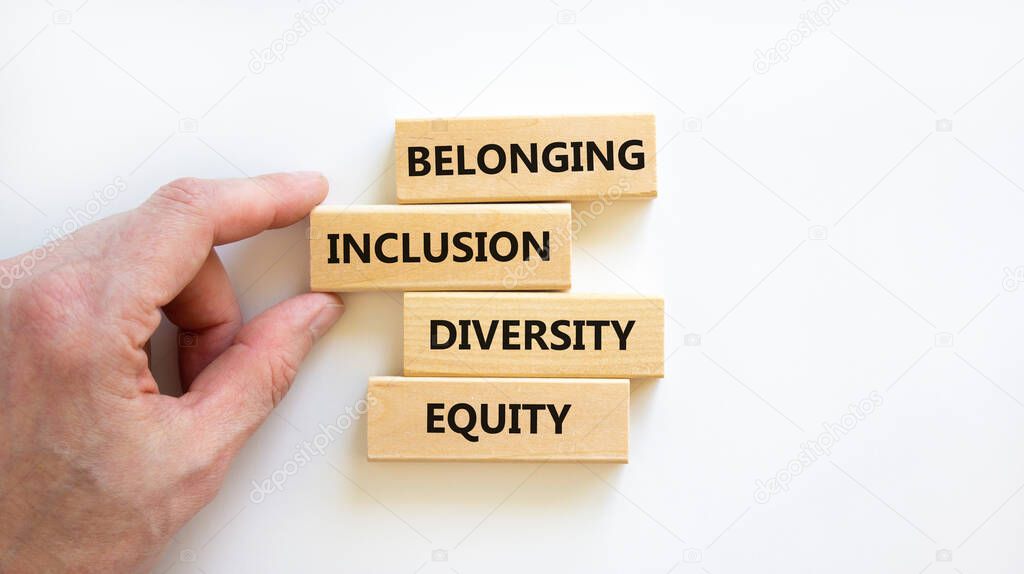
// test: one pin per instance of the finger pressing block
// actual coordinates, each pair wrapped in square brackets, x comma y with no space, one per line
[533,335]
[525,159]
[491,419]
[440,247]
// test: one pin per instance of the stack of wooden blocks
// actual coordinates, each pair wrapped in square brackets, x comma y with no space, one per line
[500,361]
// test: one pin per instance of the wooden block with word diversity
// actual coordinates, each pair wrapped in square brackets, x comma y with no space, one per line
[440,247]
[533,335]
[559,158]
[484,419]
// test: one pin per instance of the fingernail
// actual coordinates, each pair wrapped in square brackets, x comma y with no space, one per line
[307,175]
[327,317]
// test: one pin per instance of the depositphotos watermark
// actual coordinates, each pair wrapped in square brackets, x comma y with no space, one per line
[810,22]
[58,234]
[305,22]
[581,218]
[307,451]
[821,446]
[1013,278]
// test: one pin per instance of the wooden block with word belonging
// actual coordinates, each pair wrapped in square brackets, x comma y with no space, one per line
[440,247]
[490,419]
[559,158]
[533,335]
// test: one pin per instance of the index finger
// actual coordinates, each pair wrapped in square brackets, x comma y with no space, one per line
[163,243]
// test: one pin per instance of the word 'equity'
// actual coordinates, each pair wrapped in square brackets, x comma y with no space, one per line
[436,419]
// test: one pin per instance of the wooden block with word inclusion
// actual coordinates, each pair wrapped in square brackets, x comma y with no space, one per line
[533,335]
[560,158]
[490,419]
[440,247]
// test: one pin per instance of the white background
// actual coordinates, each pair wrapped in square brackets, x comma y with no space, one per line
[815,227]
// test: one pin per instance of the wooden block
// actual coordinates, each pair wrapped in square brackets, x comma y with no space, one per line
[533,335]
[561,158]
[440,247]
[484,419]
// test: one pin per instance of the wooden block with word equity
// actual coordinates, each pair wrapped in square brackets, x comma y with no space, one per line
[486,419]
[558,158]
[440,247]
[533,335]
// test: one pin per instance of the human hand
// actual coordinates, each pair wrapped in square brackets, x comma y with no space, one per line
[97,468]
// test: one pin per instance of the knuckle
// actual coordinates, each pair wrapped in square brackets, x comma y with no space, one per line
[205,475]
[187,195]
[282,371]
[188,186]
[213,468]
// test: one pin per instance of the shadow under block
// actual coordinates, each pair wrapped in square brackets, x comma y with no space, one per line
[490,419]
[440,247]
[533,335]
[557,158]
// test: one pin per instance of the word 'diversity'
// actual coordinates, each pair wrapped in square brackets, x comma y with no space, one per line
[473,418]
[533,334]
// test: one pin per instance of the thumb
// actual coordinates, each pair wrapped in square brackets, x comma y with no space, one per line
[239,388]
